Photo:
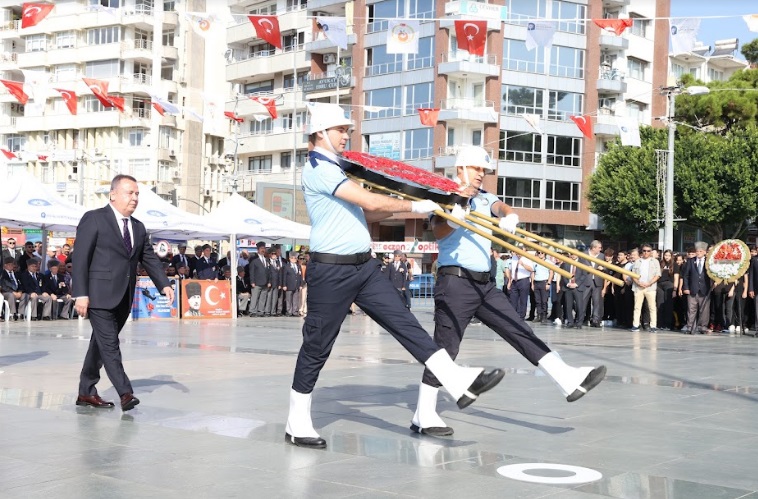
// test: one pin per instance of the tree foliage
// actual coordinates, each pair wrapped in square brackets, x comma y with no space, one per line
[750,51]
[730,104]
[715,187]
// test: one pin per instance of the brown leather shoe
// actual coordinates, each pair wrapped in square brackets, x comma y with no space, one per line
[94,401]
[128,402]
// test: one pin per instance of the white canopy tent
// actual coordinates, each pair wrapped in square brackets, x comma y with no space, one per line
[249,220]
[26,202]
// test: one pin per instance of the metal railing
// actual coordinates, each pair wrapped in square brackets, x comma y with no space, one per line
[462,103]
[386,68]
[461,56]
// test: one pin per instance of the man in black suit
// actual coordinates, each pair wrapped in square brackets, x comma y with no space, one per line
[243,292]
[398,274]
[28,253]
[181,257]
[292,282]
[206,266]
[11,250]
[275,275]
[55,285]
[696,287]
[109,244]
[590,289]
[753,287]
[31,284]
[260,281]
[10,287]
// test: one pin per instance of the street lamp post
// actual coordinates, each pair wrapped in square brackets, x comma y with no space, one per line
[668,217]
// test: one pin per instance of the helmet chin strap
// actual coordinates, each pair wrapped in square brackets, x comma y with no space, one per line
[324,135]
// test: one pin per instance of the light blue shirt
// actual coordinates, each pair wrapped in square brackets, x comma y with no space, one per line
[337,226]
[462,247]
[541,273]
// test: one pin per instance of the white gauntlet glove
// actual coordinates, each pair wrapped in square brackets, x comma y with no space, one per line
[509,222]
[424,206]
[459,214]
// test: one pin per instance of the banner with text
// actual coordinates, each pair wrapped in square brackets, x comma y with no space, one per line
[380,247]
[206,299]
[149,303]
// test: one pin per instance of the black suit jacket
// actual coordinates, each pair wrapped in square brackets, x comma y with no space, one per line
[399,276]
[57,286]
[259,274]
[28,283]
[752,274]
[103,270]
[693,281]
[6,283]
[177,259]
[242,286]
[293,279]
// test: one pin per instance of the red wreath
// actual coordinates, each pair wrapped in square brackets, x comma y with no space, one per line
[398,170]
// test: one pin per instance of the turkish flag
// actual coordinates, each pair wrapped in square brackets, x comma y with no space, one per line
[33,13]
[158,108]
[428,116]
[117,102]
[616,25]
[269,103]
[17,89]
[42,158]
[585,125]
[471,35]
[267,27]
[69,97]
[8,154]
[232,116]
[100,89]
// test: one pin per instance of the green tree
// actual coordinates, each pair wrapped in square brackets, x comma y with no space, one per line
[750,51]
[730,104]
[715,188]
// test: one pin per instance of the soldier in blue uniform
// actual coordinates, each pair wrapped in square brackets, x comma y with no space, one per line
[342,271]
[464,290]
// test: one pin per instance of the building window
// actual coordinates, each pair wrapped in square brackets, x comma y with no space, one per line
[386,98]
[167,39]
[102,69]
[379,62]
[517,58]
[421,9]
[289,80]
[106,3]
[640,27]
[137,137]
[519,192]
[295,5]
[418,95]
[564,151]
[715,75]
[92,105]
[677,70]
[520,147]
[637,110]
[101,36]
[380,12]
[140,168]
[637,68]
[261,50]
[286,159]
[169,5]
[167,138]
[47,173]
[261,127]
[65,39]
[259,164]
[570,16]
[263,10]
[424,58]
[522,100]
[259,87]
[561,196]
[15,143]
[567,62]
[564,104]
[299,121]
[164,171]
[65,72]
[526,9]
[36,43]
[418,143]
[293,41]
[144,6]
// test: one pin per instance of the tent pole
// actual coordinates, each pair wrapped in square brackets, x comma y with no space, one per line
[233,283]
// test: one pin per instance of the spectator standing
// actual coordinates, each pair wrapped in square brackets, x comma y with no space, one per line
[645,287]
[541,278]
[520,283]
[666,292]
[697,287]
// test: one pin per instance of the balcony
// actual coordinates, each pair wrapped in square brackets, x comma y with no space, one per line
[446,157]
[612,4]
[8,124]
[606,126]
[245,31]
[266,63]
[468,110]
[170,18]
[277,140]
[8,60]
[322,45]
[140,17]
[10,29]
[169,52]
[611,81]
[137,82]
[137,50]
[331,6]
[461,64]
[464,9]
[69,122]
[613,43]
[34,59]
[87,53]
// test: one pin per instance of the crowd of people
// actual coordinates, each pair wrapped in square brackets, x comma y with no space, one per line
[673,293]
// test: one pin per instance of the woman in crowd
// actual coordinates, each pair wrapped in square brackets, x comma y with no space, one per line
[666,292]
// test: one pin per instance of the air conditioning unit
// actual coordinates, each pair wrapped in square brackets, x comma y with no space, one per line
[172,153]
[175,173]
[330,58]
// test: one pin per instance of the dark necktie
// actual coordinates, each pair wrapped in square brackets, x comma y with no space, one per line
[127,236]
[13,276]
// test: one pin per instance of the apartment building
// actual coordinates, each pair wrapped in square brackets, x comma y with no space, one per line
[706,63]
[140,48]
[482,99]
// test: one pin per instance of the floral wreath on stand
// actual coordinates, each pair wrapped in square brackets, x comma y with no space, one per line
[727,261]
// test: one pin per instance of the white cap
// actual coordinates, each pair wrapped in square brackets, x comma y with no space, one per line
[325,116]
[474,156]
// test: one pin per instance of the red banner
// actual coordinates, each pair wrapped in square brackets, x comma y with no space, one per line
[206,299]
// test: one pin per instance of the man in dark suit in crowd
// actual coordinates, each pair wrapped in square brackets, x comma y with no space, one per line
[398,274]
[753,287]
[293,281]
[109,244]
[31,284]
[590,289]
[696,287]
[275,275]
[181,257]
[10,287]
[206,266]
[55,285]
[11,251]
[28,253]
[243,292]
[260,281]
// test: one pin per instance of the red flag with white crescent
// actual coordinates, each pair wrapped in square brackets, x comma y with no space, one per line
[428,116]
[471,35]
[232,116]
[8,154]
[585,125]
[269,104]
[100,89]
[33,13]
[267,28]
[117,102]
[69,97]
[16,88]
[616,25]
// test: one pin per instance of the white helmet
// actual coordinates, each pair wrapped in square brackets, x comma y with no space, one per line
[474,156]
[325,116]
